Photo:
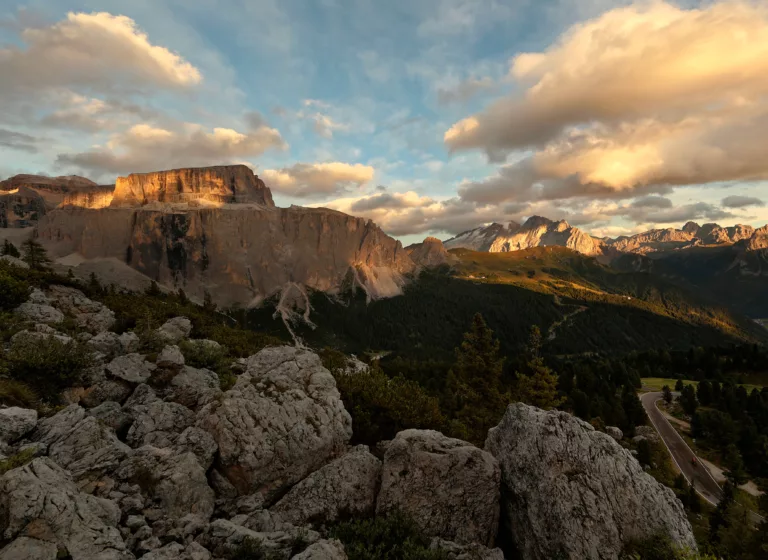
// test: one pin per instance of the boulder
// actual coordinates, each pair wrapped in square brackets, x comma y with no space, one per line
[170,358]
[647,432]
[107,343]
[130,342]
[158,423]
[474,551]
[449,487]
[176,481]
[132,368]
[114,390]
[346,486]
[89,315]
[111,414]
[39,313]
[614,432]
[16,422]
[25,548]
[323,550]
[60,425]
[26,337]
[199,442]
[224,538]
[176,551]
[40,499]
[39,297]
[570,491]
[281,421]
[194,387]
[175,330]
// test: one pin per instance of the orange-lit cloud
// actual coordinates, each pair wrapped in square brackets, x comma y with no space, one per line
[313,179]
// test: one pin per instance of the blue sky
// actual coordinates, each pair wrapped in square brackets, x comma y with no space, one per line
[352,104]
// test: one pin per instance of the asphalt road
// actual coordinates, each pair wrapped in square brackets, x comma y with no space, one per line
[697,474]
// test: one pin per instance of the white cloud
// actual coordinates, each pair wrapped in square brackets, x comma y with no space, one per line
[464,90]
[628,103]
[306,180]
[738,201]
[145,147]
[98,51]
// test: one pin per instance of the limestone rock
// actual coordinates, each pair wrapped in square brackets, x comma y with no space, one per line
[345,486]
[281,421]
[170,358]
[175,330]
[33,337]
[473,551]
[323,550]
[158,423]
[25,548]
[108,390]
[107,343]
[647,432]
[39,313]
[175,480]
[223,537]
[219,184]
[614,432]
[176,551]
[60,425]
[112,415]
[89,315]
[40,498]
[569,491]
[16,422]
[200,443]
[430,252]
[132,368]
[194,387]
[449,487]
[130,342]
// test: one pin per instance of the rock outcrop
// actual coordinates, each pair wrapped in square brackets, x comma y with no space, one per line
[569,491]
[449,487]
[20,207]
[225,184]
[90,197]
[535,232]
[281,421]
[216,230]
[428,253]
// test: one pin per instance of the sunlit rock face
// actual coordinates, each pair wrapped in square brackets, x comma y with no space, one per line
[217,230]
[92,197]
[224,184]
[53,190]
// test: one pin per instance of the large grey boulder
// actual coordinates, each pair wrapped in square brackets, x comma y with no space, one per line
[112,415]
[346,486]
[224,538]
[173,479]
[81,444]
[89,315]
[194,387]
[170,358]
[25,548]
[115,390]
[614,432]
[133,368]
[39,313]
[14,261]
[569,491]
[16,422]
[41,499]
[39,335]
[175,330]
[474,551]
[449,487]
[281,421]
[158,423]
[107,343]
[323,550]
[176,551]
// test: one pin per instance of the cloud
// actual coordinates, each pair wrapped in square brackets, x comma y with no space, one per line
[91,114]
[652,202]
[145,148]
[18,141]
[395,200]
[465,90]
[737,201]
[638,99]
[459,17]
[99,52]
[306,180]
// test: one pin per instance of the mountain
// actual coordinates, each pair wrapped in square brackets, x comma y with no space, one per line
[217,230]
[52,190]
[430,252]
[691,235]
[535,232]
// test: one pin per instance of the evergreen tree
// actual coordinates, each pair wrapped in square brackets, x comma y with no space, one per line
[719,518]
[704,393]
[688,400]
[9,249]
[633,410]
[94,285]
[644,452]
[34,254]
[735,465]
[667,394]
[154,289]
[539,386]
[208,304]
[679,385]
[183,299]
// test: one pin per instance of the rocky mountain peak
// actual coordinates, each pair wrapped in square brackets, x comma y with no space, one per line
[691,227]
[430,252]
[537,221]
[225,184]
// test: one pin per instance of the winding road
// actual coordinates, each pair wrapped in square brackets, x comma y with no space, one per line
[695,473]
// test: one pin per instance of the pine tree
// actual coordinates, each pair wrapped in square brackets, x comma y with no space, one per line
[667,394]
[719,518]
[679,385]
[735,465]
[183,299]
[688,400]
[208,303]
[154,289]
[34,254]
[93,284]
[9,249]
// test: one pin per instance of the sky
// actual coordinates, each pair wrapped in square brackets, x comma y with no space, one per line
[430,117]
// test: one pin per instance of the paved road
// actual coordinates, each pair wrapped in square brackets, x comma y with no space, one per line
[681,453]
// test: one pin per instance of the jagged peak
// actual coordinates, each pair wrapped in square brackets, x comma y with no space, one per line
[536,221]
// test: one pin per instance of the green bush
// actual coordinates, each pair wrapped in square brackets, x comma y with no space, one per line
[394,537]
[13,292]
[16,461]
[47,365]
[381,407]
[15,393]
[659,547]
[201,355]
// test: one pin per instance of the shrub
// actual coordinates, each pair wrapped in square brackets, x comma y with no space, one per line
[16,461]
[394,537]
[208,356]
[13,292]
[15,393]
[659,547]
[47,365]
[381,407]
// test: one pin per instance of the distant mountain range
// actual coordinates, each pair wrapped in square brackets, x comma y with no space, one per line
[542,232]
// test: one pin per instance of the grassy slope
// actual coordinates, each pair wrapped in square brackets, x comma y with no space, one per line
[579,305]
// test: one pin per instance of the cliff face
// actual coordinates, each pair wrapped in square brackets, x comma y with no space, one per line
[430,252]
[20,207]
[92,197]
[53,190]
[240,254]
[225,184]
